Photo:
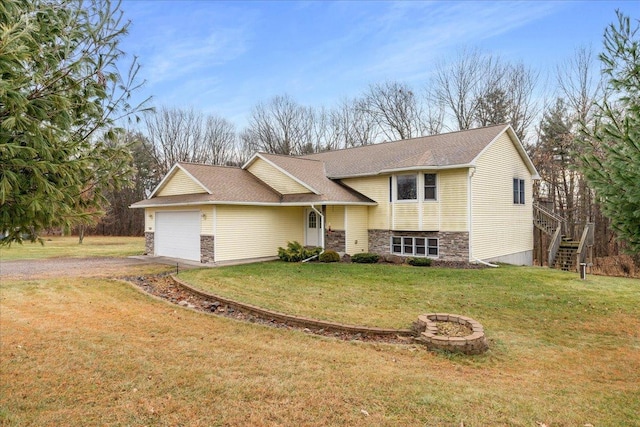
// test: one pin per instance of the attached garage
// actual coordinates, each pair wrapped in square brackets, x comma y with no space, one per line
[177,234]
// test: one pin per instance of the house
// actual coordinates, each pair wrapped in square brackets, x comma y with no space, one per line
[461,196]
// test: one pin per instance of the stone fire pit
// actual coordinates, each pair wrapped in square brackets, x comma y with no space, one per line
[451,332]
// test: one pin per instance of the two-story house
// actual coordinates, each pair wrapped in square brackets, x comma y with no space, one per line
[460,196]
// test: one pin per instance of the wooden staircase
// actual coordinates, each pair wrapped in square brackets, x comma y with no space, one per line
[565,253]
[566,257]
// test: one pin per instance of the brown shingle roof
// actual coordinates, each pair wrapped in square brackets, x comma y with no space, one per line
[312,173]
[238,186]
[449,149]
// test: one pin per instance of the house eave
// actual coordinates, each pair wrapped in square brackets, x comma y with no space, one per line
[236,203]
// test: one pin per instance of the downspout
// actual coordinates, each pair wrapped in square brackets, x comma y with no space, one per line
[472,172]
[321,234]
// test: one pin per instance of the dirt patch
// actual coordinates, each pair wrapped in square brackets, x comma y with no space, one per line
[451,329]
[163,286]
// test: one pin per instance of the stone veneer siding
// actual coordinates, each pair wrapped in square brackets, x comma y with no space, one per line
[452,246]
[148,242]
[334,240]
[207,251]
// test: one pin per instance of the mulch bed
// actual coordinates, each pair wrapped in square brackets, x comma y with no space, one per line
[164,287]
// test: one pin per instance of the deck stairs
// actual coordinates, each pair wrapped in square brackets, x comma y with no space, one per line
[565,253]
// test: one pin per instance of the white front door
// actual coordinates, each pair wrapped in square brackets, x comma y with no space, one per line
[313,224]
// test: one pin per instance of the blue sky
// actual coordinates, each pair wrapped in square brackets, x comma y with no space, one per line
[224,57]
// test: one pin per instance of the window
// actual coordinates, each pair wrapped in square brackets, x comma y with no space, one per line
[407,187]
[430,186]
[313,221]
[415,246]
[518,191]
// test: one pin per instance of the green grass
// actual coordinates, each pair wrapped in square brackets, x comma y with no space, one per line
[94,351]
[393,296]
[68,247]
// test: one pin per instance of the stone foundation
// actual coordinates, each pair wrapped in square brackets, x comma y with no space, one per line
[207,249]
[452,245]
[148,242]
[335,240]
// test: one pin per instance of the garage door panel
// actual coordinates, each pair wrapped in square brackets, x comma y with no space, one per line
[177,235]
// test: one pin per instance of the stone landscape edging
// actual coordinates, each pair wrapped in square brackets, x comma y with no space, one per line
[295,320]
[475,343]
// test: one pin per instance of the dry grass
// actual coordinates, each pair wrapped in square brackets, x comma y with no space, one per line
[616,266]
[66,247]
[93,351]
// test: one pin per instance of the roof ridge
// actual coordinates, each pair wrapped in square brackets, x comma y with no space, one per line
[300,157]
[403,140]
[208,165]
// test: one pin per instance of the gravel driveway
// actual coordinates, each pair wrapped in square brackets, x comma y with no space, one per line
[61,267]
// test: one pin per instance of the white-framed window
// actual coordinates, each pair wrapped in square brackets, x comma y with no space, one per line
[518,191]
[415,246]
[407,187]
[313,220]
[430,186]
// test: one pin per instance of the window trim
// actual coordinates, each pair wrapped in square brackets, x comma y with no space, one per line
[402,244]
[397,195]
[519,192]
[434,186]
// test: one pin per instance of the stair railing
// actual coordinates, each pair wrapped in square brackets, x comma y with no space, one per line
[546,220]
[554,246]
[586,242]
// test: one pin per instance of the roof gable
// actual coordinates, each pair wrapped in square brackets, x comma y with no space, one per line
[274,175]
[179,181]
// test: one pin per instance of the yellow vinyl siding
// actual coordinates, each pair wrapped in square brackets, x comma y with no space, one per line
[244,232]
[500,227]
[180,183]
[274,178]
[431,216]
[406,216]
[453,200]
[206,224]
[335,217]
[149,220]
[376,188]
[356,236]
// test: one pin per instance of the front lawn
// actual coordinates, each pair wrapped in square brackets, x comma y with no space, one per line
[68,247]
[93,351]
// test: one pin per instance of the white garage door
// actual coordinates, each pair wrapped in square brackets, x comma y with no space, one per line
[178,235]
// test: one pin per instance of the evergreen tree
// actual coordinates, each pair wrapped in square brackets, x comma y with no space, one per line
[60,96]
[612,159]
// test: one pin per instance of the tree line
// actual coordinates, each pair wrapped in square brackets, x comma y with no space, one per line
[66,162]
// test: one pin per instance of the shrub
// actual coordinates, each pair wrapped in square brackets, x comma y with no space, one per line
[329,256]
[295,252]
[419,262]
[365,258]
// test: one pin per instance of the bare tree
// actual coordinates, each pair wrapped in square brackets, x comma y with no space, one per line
[580,83]
[456,84]
[477,89]
[220,138]
[280,126]
[395,108]
[177,135]
[350,125]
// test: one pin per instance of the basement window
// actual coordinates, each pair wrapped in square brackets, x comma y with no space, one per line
[414,246]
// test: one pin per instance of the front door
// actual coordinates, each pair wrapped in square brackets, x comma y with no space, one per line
[313,227]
